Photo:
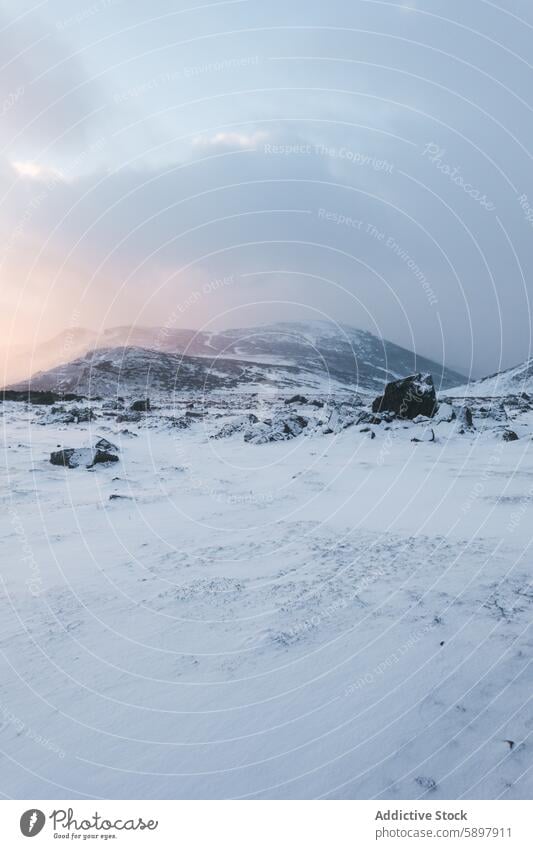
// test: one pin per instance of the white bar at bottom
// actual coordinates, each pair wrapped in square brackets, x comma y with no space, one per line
[267,824]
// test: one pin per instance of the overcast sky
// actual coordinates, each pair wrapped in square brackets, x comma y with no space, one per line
[366,161]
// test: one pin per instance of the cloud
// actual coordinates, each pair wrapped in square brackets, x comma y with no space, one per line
[34,171]
[127,205]
[232,140]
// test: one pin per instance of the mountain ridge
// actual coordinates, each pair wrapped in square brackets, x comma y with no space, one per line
[344,354]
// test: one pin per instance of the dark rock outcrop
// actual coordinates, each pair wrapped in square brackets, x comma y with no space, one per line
[509,436]
[408,398]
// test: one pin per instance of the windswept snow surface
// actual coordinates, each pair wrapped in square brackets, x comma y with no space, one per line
[333,616]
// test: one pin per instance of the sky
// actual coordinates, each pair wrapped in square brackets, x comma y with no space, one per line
[235,163]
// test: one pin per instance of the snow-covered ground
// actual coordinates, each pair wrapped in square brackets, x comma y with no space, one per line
[332,616]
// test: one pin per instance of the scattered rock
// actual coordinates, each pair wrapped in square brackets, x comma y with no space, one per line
[105,445]
[428,784]
[104,457]
[72,458]
[338,419]
[407,398]
[279,430]
[369,418]
[236,426]
[509,436]
[465,418]
[297,399]
[74,415]
[141,406]
[180,422]
[427,436]
[130,417]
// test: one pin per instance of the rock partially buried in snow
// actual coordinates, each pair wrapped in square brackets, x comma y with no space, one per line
[279,430]
[368,418]
[445,413]
[141,406]
[237,425]
[72,458]
[131,417]
[465,418]
[338,419]
[427,436]
[116,404]
[105,445]
[509,436]
[408,398]
[103,457]
[74,415]
[297,399]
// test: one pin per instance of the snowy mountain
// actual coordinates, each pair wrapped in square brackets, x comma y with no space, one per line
[321,350]
[512,381]
[116,371]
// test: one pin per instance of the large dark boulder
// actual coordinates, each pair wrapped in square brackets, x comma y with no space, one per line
[408,398]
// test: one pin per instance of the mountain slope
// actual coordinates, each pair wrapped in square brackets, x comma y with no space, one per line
[511,381]
[348,354]
[116,371]
[352,357]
